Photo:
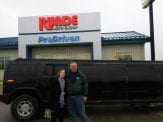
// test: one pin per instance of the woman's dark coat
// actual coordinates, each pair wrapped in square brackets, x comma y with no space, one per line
[54,93]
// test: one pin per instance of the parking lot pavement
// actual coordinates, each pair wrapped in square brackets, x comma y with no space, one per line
[125,114]
[104,114]
[5,115]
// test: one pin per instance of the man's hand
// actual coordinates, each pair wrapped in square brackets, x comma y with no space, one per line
[62,93]
[85,99]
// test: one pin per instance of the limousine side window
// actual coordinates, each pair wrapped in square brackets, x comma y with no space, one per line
[22,70]
[52,69]
[49,70]
[105,72]
[159,71]
[140,72]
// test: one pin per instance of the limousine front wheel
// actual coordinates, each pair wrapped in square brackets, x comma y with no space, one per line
[24,107]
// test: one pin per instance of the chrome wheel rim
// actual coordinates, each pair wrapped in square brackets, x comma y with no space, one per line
[24,108]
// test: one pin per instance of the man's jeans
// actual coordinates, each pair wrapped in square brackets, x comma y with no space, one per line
[76,106]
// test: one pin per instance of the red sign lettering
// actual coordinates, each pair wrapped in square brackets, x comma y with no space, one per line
[49,22]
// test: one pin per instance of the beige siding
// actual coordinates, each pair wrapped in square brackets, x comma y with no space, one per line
[9,52]
[137,51]
[66,52]
[1,75]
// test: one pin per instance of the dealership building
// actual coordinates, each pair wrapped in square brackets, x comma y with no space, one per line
[74,36]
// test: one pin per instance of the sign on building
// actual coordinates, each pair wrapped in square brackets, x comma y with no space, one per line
[53,30]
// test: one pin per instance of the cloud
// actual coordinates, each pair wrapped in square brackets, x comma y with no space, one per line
[116,15]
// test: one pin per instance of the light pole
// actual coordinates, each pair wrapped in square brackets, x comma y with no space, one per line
[145,4]
[152,32]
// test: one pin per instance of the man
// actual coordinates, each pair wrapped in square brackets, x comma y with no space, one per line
[77,91]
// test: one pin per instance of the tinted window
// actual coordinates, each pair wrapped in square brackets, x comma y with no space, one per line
[104,72]
[159,71]
[22,70]
[49,70]
[140,72]
[52,69]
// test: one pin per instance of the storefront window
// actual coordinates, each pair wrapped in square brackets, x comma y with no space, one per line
[3,61]
[126,56]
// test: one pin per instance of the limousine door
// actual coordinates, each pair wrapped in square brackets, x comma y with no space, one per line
[50,70]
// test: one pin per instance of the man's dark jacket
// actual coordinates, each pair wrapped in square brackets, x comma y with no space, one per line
[76,84]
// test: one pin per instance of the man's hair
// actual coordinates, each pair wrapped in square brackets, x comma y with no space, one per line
[73,62]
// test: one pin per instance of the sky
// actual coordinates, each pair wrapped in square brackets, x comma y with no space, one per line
[116,16]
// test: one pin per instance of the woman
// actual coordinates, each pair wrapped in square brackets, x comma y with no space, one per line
[56,98]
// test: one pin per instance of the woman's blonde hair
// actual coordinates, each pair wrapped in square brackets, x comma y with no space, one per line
[59,71]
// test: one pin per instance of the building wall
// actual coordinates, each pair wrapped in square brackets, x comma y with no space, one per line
[85,37]
[1,75]
[63,52]
[88,31]
[137,51]
[9,52]
[13,53]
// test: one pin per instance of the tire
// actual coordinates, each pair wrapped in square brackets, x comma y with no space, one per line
[24,107]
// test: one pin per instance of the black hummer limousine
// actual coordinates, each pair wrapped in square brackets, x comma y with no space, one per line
[25,83]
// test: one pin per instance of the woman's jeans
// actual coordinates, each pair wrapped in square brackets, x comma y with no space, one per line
[76,106]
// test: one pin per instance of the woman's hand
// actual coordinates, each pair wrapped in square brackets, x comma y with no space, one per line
[62,93]
[85,99]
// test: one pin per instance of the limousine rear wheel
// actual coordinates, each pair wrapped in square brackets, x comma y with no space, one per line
[24,107]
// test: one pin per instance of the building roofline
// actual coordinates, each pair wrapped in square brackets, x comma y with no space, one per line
[111,38]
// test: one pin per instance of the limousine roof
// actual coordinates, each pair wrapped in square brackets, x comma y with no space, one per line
[86,61]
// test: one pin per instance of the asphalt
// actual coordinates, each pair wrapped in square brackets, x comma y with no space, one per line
[114,113]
